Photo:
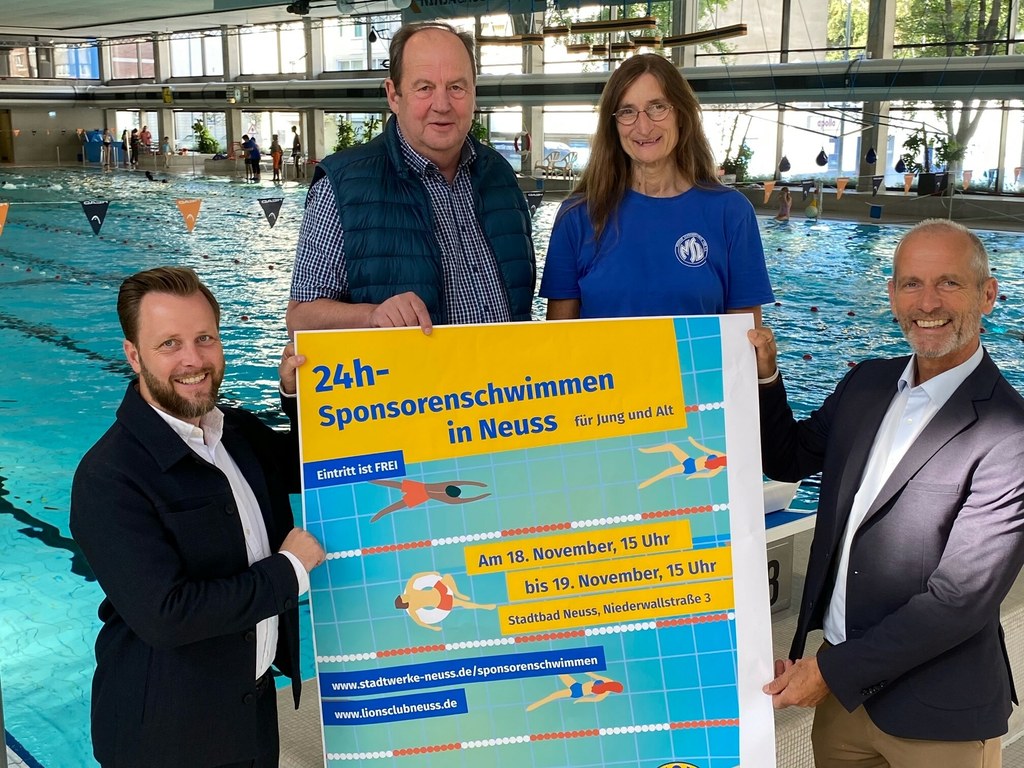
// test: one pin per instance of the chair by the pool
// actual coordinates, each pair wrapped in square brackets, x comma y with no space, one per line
[565,166]
[549,166]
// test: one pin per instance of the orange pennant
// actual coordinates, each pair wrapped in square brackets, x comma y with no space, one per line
[3,215]
[189,212]
[17,131]
[967,178]
[841,187]
[908,179]
[768,187]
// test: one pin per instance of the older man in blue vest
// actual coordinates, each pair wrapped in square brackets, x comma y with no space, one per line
[423,225]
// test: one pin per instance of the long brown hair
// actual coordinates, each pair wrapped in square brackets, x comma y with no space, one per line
[604,182]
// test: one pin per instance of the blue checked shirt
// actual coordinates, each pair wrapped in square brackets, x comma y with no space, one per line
[473,290]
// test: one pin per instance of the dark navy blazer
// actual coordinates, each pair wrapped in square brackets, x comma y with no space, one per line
[175,657]
[936,554]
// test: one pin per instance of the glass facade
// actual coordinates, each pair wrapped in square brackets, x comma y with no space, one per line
[132,60]
[979,136]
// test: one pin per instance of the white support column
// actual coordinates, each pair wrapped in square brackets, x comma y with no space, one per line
[232,53]
[314,37]
[105,63]
[533,117]
[233,123]
[315,142]
[1014,15]
[875,117]
[161,58]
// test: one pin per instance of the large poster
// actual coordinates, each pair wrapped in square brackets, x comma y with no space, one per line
[545,544]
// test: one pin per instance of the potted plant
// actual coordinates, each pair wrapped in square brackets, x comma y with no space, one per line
[735,165]
[205,143]
[346,134]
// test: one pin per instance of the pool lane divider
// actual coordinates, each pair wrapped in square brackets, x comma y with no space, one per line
[96,211]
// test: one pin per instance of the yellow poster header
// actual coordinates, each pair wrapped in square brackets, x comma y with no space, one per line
[491,388]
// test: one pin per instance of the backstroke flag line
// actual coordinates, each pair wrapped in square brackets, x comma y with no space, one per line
[271,208]
[96,213]
[189,212]
[520,518]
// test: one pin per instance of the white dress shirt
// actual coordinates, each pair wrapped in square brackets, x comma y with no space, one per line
[909,413]
[205,440]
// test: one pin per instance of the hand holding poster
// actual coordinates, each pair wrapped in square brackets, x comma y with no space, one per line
[525,518]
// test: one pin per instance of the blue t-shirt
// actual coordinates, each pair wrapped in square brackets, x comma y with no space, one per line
[698,253]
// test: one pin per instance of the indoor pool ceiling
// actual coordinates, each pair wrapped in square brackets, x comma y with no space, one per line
[122,18]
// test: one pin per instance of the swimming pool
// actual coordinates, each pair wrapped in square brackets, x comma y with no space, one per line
[65,374]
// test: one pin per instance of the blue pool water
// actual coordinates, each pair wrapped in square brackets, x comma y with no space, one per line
[64,374]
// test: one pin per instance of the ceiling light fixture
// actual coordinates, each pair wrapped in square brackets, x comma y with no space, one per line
[706,36]
[298,7]
[604,25]
[527,38]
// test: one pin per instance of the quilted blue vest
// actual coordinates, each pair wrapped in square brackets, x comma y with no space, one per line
[387,219]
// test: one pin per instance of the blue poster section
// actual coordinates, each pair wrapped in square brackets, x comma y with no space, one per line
[446,684]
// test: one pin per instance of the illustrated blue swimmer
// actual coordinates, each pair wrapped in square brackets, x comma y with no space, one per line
[593,690]
[708,465]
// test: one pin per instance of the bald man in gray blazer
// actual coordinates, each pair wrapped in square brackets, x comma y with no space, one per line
[920,526]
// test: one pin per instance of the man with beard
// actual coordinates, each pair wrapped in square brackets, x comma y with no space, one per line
[920,526]
[182,511]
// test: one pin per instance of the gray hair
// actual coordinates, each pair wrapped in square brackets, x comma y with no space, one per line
[978,254]
[397,49]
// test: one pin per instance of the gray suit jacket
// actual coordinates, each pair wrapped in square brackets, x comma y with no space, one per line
[935,556]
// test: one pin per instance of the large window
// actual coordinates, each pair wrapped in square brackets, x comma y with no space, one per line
[263,126]
[344,45]
[131,59]
[197,55]
[184,132]
[927,28]
[21,62]
[77,62]
[351,45]
[273,49]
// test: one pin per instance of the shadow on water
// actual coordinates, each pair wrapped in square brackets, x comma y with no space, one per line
[46,533]
[51,335]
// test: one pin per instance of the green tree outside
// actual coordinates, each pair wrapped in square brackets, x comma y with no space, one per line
[346,136]
[205,143]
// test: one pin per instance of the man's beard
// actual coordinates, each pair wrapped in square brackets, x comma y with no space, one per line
[961,332]
[183,408]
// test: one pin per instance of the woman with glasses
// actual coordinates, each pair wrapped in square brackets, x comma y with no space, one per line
[649,230]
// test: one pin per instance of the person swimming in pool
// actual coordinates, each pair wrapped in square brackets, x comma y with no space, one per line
[415,493]
[593,690]
[429,597]
[708,465]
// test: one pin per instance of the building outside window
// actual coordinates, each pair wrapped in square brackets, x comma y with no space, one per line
[197,55]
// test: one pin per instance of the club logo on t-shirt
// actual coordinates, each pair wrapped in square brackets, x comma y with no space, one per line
[692,250]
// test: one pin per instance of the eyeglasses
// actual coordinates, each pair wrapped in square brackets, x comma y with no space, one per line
[656,112]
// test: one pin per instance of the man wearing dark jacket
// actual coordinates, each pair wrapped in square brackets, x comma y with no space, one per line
[920,526]
[182,511]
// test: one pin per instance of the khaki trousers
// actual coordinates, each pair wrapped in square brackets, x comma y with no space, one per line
[844,739]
